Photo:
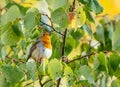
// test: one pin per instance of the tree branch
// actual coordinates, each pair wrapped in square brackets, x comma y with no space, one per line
[63,54]
[47,82]
[87,55]
[28,84]
[63,46]
[40,78]
[81,57]
[52,28]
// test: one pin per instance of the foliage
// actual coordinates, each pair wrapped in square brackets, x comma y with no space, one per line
[86,46]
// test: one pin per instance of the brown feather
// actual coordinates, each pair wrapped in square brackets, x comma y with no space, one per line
[32,49]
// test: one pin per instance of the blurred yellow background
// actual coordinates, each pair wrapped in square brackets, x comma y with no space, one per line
[111,7]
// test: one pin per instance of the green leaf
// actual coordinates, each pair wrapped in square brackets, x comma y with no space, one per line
[102,81]
[12,14]
[87,73]
[101,62]
[99,8]
[95,6]
[114,64]
[69,75]
[43,67]
[87,28]
[10,35]
[17,28]
[77,34]
[100,34]
[60,17]
[55,69]
[31,68]
[3,82]
[110,30]
[70,40]
[90,16]
[31,18]
[85,1]
[46,23]
[107,23]
[12,73]
[116,38]
[3,53]
[53,4]
[115,83]
[79,18]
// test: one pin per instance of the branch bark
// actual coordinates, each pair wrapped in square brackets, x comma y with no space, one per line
[81,57]
[63,46]
[46,82]
[63,53]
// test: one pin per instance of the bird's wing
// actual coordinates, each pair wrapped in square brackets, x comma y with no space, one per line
[32,49]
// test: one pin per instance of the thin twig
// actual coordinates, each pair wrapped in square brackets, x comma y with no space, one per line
[7,56]
[52,28]
[47,82]
[104,15]
[39,76]
[87,55]
[28,84]
[48,18]
[19,60]
[72,7]
[81,57]
[58,82]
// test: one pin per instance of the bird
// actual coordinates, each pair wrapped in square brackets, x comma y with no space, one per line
[42,48]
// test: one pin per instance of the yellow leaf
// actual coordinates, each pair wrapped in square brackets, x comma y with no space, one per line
[79,18]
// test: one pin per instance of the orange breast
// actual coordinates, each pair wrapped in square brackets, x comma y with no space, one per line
[46,41]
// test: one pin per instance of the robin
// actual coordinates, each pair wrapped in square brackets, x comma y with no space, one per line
[42,48]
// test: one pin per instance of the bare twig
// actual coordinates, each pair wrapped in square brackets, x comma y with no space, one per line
[63,54]
[47,82]
[104,15]
[52,28]
[81,57]
[19,60]
[58,82]
[63,47]
[87,55]
[28,84]
[40,78]
[72,7]
[49,19]
[7,56]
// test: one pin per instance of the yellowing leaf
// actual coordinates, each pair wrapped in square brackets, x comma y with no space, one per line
[55,69]
[79,18]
